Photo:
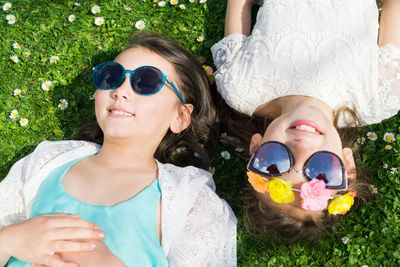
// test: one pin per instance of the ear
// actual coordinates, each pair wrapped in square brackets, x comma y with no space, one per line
[182,119]
[349,164]
[255,143]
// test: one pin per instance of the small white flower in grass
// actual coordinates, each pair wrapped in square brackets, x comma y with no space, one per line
[361,140]
[127,8]
[388,147]
[174,2]
[200,39]
[11,19]
[192,1]
[196,155]
[71,18]
[372,136]
[225,154]
[161,4]
[355,146]
[96,9]
[181,149]
[14,114]
[16,45]
[211,170]
[183,7]
[7,6]
[239,149]
[23,122]
[77,4]
[202,1]
[155,1]
[46,85]
[17,92]
[63,104]
[364,265]
[373,189]
[14,58]
[54,59]
[393,170]
[389,137]
[100,47]
[27,53]
[92,97]
[345,239]
[99,21]
[385,166]
[140,25]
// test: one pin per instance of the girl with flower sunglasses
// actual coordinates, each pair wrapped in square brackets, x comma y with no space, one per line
[305,74]
[73,203]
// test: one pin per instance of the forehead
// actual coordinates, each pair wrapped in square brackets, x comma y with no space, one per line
[136,57]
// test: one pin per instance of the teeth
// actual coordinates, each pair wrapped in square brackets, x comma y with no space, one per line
[121,113]
[306,128]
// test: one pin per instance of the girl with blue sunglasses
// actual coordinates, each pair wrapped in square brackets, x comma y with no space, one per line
[115,203]
[308,68]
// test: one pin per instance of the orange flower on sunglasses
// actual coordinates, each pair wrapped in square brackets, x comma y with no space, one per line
[257,182]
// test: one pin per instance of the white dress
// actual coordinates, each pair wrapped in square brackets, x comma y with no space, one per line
[198,228]
[318,48]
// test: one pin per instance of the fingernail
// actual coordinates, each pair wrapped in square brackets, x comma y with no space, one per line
[96,227]
[102,234]
[91,246]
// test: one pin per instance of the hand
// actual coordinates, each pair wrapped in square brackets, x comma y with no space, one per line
[38,239]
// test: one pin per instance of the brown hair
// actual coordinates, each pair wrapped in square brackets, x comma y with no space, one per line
[193,84]
[265,218]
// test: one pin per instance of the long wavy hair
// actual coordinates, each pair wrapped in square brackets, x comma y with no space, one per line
[194,86]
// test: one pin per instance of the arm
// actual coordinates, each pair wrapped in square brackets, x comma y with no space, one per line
[238,17]
[389,26]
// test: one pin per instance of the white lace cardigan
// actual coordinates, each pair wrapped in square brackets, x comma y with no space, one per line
[198,228]
[323,49]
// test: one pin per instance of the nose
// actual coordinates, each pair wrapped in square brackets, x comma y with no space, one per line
[301,150]
[124,91]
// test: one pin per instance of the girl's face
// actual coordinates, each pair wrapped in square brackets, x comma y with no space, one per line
[305,129]
[123,113]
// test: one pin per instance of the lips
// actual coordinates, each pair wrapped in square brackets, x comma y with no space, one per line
[119,112]
[306,127]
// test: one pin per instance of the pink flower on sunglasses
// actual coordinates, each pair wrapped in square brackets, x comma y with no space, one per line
[315,195]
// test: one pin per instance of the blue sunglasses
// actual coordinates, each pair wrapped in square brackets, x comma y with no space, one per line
[145,80]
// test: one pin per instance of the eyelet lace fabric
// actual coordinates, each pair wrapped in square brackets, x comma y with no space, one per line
[322,49]
[198,228]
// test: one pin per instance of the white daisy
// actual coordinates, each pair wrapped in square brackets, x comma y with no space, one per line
[196,155]
[373,189]
[385,166]
[393,170]
[23,122]
[345,239]
[140,25]
[46,85]
[54,59]
[14,58]
[17,92]
[389,137]
[63,104]
[127,8]
[161,4]
[99,21]
[77,4]
[92,97]
[11,19]
[239,149]
[200,39]
[7,6]
[211,170]
[155,1]
[181,149]
[202,1]
[182,6]
[27,53]
[14,114]
[225,154]
[372,136]
[388,147]
[71,18]
[361,140]
[96,9]
[355,146]
[173,2]
[16,45]
[191,1]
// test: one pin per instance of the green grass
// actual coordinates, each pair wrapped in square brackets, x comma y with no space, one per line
[43,29]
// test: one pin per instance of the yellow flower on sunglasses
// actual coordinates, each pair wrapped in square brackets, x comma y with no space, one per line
[341,204]
[280,190]
[257,182]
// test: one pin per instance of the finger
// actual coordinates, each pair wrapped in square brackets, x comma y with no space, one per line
[73,233]
[70,246]
[69,221]
[54,261]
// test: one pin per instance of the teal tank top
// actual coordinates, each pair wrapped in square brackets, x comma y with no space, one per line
[130,226]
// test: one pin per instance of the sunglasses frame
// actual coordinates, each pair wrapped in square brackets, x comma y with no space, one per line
[342,186]
[132,73]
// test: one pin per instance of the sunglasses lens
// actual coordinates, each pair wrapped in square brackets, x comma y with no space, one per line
[147,81]
[326,167]
[272,158]
[108,75]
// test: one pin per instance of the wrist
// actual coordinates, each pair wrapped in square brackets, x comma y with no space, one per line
[4,254]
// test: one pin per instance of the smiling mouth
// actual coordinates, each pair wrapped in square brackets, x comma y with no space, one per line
[120,113]
[306,127]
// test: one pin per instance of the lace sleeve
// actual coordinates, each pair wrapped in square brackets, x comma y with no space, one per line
[225,50]
[389,79]
[209,237]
